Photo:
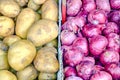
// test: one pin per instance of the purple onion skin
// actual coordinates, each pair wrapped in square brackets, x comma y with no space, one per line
[109,56]
[90,59]
[88,5]
[114,17]
[115,4]
[67,37]
[103,5]
[97,17]
[113,41]
[69,71]
[73,78]
[97,44]
[111,27]
[81,44]
[91,30]
[101,75]
[70,25]
[73,57]
[97,68]
[114,70]
[73,7]
[84,69]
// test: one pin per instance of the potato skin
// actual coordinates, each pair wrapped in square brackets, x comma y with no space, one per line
[39,1]
[6,26]
[9,8]
[42,32]
[47,76]
[46,61]
[24,21]
[22,2]
[50,10]
[7,75]
[3,60]
[33,5]
[28,73]
[11,39]
[21,54]
[3,46]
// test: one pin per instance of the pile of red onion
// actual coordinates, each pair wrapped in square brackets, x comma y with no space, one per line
[90,39]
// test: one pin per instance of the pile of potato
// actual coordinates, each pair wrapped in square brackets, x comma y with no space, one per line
[28,44]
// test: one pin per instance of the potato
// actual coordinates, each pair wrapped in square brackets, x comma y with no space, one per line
[47,76]
[53,43]
[50,10]
[9,8]
[11,39]
[21,54]
[6,26]
[24,21]
[3,60]
[33,5]
[3,46]
[46,61]
[22,2]
[7,75]
[28,73]
[42,32]
[37,17]
[39,1]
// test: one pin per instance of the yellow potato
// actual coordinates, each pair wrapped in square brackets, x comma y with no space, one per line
[6,26]
[24,21]
[3,46]
[47,76]
[11,39]
[33,5]
[39,1]
[42,32]
[50,10]
[28,73]
[22,2]
[46,61]
[9,8]
[3,60]
[37,17]
[21,54]
[53,43]
[7,75]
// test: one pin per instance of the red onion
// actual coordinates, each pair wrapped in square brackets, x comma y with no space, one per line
[90,59]
[70,25]
[73,78]
[101,75]
[113,41]
[114,70]
[97,68]
[67,37]
[111,28]
[89,5]
[109,56]
[81,44]
[97,17]
[97,44]
[69,71]
[90,30]
[84,69]
[79,34]
[73,57]
[115,4]
[103,5]
[114,17]
[73,7]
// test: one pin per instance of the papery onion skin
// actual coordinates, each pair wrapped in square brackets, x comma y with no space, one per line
[109,56]
[101,75]
[97,44]
[114,70]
